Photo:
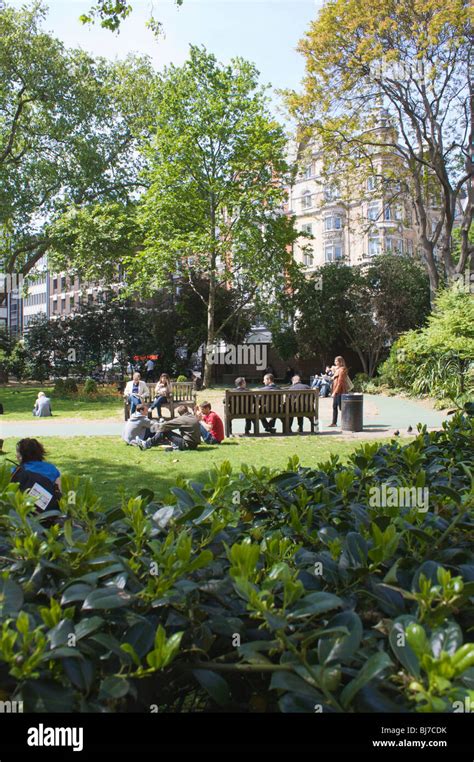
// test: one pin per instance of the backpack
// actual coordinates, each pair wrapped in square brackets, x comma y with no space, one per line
[37,485]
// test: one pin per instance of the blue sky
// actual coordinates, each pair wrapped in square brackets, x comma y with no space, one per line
[265,32]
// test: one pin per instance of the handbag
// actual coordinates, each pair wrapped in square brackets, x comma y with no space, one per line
[349,384]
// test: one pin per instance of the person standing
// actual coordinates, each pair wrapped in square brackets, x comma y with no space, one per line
[339,387]
[42,407]
[150,369]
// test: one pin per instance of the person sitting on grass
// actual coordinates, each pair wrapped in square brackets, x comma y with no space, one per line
[138,426]
[188,438]
[31,456]
[45,485]
[136,391]
[210,424]
[42,407]
[162,394]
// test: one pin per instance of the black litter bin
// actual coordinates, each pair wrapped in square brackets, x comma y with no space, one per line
[352,413]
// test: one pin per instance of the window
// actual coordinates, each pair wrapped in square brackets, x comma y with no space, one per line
[63,304]
[409,247]
[306,200]
[371,182]
[55,306]
[398,213]
[389,245]
[308,172]
[374,246]
[333,222]
[307,228]
[55,284]
[63,283]
[331,192]
[373,212]
[333,252]
[387,213]
[308,259]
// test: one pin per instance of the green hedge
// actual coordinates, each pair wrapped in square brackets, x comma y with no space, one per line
[255,591]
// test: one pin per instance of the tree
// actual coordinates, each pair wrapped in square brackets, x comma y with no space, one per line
[69,131]
[395,78]
[216,188]
[362,308]
[112,12]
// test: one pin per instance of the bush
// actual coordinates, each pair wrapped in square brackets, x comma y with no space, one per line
[59,389]
[90,386]
[305,585]
[359,381]
[437,359]
[181,378]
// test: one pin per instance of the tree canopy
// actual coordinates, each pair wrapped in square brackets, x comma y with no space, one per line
[394,78]
[69,127]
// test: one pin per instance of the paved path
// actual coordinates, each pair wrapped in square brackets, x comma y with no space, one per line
[382,415]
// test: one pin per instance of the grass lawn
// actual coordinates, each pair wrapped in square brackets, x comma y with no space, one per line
[115,467]
[18,403]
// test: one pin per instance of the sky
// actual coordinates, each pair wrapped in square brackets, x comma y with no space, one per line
[265,32]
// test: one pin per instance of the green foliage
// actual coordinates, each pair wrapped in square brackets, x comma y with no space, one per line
[291,586]
[66,133]
[90,386]
[371,92]
[363,308]
[437,359]
[181,378]
[12,357]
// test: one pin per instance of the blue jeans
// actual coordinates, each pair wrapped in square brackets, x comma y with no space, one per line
[133,401]
[157,403]
[207,436]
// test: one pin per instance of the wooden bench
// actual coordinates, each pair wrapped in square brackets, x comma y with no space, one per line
[182,393]
[282,404]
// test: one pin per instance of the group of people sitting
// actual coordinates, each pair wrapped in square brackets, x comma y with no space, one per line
[183,432]
[189,427]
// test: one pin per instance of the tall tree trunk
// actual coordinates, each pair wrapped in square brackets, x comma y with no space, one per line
[211,335]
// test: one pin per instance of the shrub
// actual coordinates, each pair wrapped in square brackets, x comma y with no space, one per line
[359,381]
[297,587]
[90,386]
[70,386]
[437,359]
[181,378]
[59,389]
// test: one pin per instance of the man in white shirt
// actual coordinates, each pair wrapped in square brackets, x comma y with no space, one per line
[136,391]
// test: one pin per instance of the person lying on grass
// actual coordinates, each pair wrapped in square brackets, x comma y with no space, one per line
[210,424]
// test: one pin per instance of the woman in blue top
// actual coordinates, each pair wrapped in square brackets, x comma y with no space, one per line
[30,454]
